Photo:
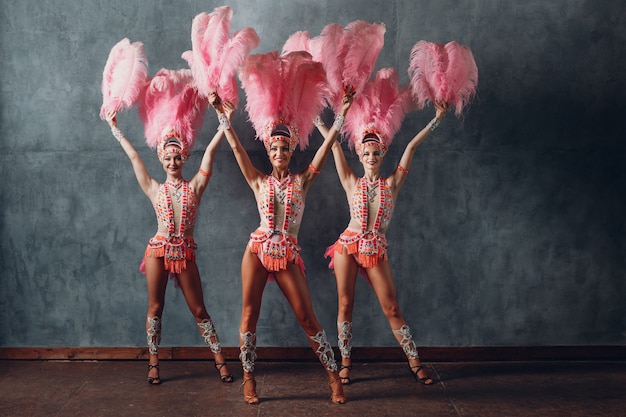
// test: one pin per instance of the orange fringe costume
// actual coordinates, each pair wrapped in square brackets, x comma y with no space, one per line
[368,245]
[275,241]
[175,245]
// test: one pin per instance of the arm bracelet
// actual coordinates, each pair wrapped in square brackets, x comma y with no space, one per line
[318,121]
[117,133]
[338,123]
[224,122]
[432,125]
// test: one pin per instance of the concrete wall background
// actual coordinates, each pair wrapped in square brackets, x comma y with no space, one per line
[509,231]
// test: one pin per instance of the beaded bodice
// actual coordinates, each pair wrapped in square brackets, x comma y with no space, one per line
[280,205]
[176,209]
[371,206]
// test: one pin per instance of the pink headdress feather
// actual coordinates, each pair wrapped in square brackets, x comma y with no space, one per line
[124,77]
[216,56]
[283,89]
[172,108]
[379,110]
[443,73]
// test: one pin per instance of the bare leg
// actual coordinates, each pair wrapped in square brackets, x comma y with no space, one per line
[346,269]
[385,290]
[293,285]
[253,280]
[156,280]
[191,286]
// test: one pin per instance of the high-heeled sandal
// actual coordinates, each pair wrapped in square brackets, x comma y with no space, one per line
[334,397]
[423,380]
[154,380]
[345,380]
[228,378]
[250,399]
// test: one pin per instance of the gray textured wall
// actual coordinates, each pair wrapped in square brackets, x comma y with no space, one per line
[509,231]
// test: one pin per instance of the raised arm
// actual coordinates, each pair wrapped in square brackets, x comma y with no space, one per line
[149,186]
[399,175]
[202,177]
[330,136]
[250,173]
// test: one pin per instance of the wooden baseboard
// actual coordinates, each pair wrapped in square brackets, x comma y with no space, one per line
[361,354]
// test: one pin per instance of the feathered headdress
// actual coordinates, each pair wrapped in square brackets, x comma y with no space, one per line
[443,73]
[125,74]
[172,111]
[215,55]
[377,113]
[348,54]
[283,95]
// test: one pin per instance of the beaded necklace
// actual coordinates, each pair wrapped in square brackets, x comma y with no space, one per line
[285,198]
[364,205]
[170,210]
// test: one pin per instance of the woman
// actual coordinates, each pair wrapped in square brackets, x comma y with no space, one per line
[372,198]
[171,252]
[273,248]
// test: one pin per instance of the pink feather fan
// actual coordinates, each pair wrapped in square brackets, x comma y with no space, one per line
[290,88]
[216,56]
[125,74]
[348,54]
[443,73]
[379,109]
[171,104]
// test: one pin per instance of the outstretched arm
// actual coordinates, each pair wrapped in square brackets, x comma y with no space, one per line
[146,182]
[330,136]
[399,175]
[250,173]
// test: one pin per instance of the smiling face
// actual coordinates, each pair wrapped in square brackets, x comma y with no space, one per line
[279,154]
[172,161]
[371,157]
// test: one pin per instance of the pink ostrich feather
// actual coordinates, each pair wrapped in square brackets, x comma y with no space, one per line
[305,89]
[299,41]
[330,44]
[216,56]
[382,107]
[172,103]
[363,41]
[124,77]
[290,87]
[349,55]
[443,73]
[261,79]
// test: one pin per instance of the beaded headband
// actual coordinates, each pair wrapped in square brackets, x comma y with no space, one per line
[171,142]
[372,137]
[280,130]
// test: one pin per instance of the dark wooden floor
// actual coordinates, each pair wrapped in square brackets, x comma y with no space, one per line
[192,388]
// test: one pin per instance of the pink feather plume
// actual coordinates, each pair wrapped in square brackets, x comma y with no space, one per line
[299,41]
[349,55]
[443,73]
[363,42]
[305,92]
[125,74]
[381,106]
[290,87]
[171,102]
[216,55]
[331,55]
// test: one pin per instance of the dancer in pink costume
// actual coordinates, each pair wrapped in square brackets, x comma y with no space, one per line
[284,94]
[172,105]
[375,118]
